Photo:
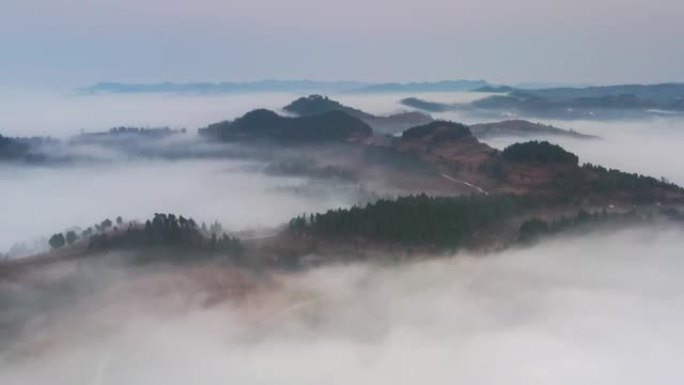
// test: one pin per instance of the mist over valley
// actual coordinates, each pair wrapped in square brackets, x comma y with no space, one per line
[339,237]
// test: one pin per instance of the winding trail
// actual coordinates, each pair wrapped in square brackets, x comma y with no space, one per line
[478,188]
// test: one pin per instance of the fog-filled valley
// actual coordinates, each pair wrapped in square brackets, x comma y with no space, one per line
[42,200]
[427,254]
[630,144]
[603,308]
[236,190]
[480,192]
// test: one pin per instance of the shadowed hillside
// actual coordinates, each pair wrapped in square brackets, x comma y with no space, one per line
[265,125]
[523,128]
[317,104]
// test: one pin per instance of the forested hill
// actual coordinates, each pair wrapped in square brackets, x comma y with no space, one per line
[423,223]
[395,123]
[25,149]
[545,166]
[12,148]
[318,104]
[541,153]
[164,237]
[445,222]
[523,128]
[533,167]
[438,131]
[266,125]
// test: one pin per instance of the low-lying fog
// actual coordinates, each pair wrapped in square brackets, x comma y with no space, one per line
[61,114]
[646,146]
[602,309]
[39,201]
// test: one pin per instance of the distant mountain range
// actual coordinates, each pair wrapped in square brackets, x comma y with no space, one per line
[664,93]
[605,102]
[442,86]
[283,86]
[223,87]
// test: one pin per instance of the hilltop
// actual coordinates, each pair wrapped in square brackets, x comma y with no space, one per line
[317,104]
[266,125]
[523,128]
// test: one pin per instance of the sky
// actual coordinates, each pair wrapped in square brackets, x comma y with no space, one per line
[79,42]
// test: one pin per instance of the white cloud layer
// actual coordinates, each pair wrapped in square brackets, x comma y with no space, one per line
[604,309]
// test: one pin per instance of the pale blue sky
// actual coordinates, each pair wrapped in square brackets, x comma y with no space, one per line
[77,42]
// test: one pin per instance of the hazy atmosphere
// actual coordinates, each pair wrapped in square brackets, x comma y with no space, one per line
[582,41]
[484,192]
[605,309]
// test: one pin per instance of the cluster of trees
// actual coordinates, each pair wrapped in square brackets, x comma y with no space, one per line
[60,239]
[318,104]
[161,131]
[439,130]
[413,220]
[12,148]
[596,181]
[169,230]
[266,125]
[161,230]
[536,152]
[532,230]
[69,237]
[493,168]
[138,131]
[611,180]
